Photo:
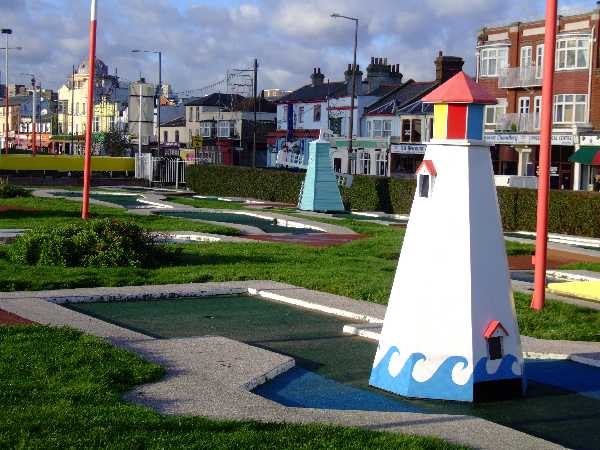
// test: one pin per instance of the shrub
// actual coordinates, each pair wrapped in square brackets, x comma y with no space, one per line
[570,212]
[94,243]
[12,191]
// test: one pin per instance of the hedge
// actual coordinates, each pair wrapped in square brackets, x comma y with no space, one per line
[576,213]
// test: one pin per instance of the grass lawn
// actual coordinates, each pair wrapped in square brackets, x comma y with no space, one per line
[594,267]
[206,203]
[34,211]
[60,389]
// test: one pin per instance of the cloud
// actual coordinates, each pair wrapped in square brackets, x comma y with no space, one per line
[202,39]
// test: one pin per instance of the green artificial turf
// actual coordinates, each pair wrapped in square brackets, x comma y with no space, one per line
[60,389]
[35,211]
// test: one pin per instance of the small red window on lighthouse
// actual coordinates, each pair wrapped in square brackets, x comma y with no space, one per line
[494,334]
[426,174]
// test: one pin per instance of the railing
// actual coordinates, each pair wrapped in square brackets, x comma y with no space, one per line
[519,123]
[519,77]
[170,170]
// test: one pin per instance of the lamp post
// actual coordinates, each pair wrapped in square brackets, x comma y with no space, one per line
[6,32]
[351,126]
[87,163]
[541,244]
[159,88]
[33,106]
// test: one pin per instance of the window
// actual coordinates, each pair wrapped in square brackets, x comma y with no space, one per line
[83,109]
[77,108]
[197,114]
[60,128]
[537,111]
[111,123]
[495,348]
[526,54]
[365,159]
[415,135]
[206,129]
[335,125]
[539,61]
[177,136]
[379,128]
[317,113]
[96,124]
[570,108]
[301,114]
[524,103]
[424,183]
[572,53]
[224,130]
[191,115]
[165,136]
[494,113]
[382,164]
[492,60]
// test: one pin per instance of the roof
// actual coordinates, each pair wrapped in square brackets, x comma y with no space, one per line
[319,92]
[177,122]
[428,165]
[492,327]
[417,107]
[384,89]
[216,99]
[247,105]
[169,112]
[18,100]
[400,97]
[460,89]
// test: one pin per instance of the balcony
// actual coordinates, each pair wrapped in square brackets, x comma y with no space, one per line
[519,77]
[518,123]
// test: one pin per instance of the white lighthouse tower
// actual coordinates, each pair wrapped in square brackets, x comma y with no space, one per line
[450,330]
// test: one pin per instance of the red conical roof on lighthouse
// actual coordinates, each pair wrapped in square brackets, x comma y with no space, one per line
[460,89]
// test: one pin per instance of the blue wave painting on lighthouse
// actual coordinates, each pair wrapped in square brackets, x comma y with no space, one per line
[441,385]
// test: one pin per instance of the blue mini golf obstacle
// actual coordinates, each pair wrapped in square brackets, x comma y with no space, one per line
[320,191]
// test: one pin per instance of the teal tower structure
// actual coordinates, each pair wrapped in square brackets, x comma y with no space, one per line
[320,191]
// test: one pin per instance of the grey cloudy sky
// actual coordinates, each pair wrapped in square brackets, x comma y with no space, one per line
[202,39]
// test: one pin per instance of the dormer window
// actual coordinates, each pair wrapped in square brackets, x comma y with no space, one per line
[426,175]
[494,335]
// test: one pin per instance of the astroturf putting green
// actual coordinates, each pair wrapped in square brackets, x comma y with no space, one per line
[564,413]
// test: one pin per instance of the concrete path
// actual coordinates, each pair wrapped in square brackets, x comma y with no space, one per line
[212,376]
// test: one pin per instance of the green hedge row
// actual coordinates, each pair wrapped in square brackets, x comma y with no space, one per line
[575,213]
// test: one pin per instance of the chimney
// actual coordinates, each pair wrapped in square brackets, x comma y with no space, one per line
[317,78]
[348,79]
[447,66]
[381,73]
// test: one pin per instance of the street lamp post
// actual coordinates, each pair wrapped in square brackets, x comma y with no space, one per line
[351,125]
[33,111]
[6,32]
[159,88]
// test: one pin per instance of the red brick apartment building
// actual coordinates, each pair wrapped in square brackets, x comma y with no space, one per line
[509,63]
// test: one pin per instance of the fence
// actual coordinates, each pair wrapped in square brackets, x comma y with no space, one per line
[168,171]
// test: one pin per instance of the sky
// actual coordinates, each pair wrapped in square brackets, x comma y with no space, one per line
[201,40]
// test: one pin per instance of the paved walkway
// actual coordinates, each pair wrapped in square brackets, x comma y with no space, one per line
[212,376]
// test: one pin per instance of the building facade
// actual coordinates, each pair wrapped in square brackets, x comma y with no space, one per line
[510,65]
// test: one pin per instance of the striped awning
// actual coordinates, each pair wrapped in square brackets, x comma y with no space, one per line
[589,155]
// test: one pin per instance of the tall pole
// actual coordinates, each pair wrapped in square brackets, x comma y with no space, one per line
[72,109]
[90,113]
[140,124]
[6,32]
[541,245]
[33,121]
[159,97]
[351,127]
[255,108]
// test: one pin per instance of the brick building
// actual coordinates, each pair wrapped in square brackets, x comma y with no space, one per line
[510,65]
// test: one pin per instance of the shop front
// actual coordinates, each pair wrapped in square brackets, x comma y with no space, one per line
[405,159]
[587,160]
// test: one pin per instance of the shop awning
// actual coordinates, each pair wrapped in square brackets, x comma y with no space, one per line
[589,155]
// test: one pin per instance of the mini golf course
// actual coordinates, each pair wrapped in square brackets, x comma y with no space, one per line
[128,201]
[562,405]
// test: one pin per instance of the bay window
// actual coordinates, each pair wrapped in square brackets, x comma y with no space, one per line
[572,53]
[206,129]
[492,61]
[570,108]
[493,113]
[379,128]
[224,130]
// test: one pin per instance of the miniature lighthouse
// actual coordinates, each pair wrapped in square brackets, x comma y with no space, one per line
[320,191]
[450,330]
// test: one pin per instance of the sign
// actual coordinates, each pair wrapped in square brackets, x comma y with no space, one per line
[527,139]
[361,143]
[408,149]
[197,142]
[553,171]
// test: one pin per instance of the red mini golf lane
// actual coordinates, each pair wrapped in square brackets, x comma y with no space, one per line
[310,240]
[7,318]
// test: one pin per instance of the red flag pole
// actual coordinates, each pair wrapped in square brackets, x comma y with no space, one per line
[90,114]
[541,244]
